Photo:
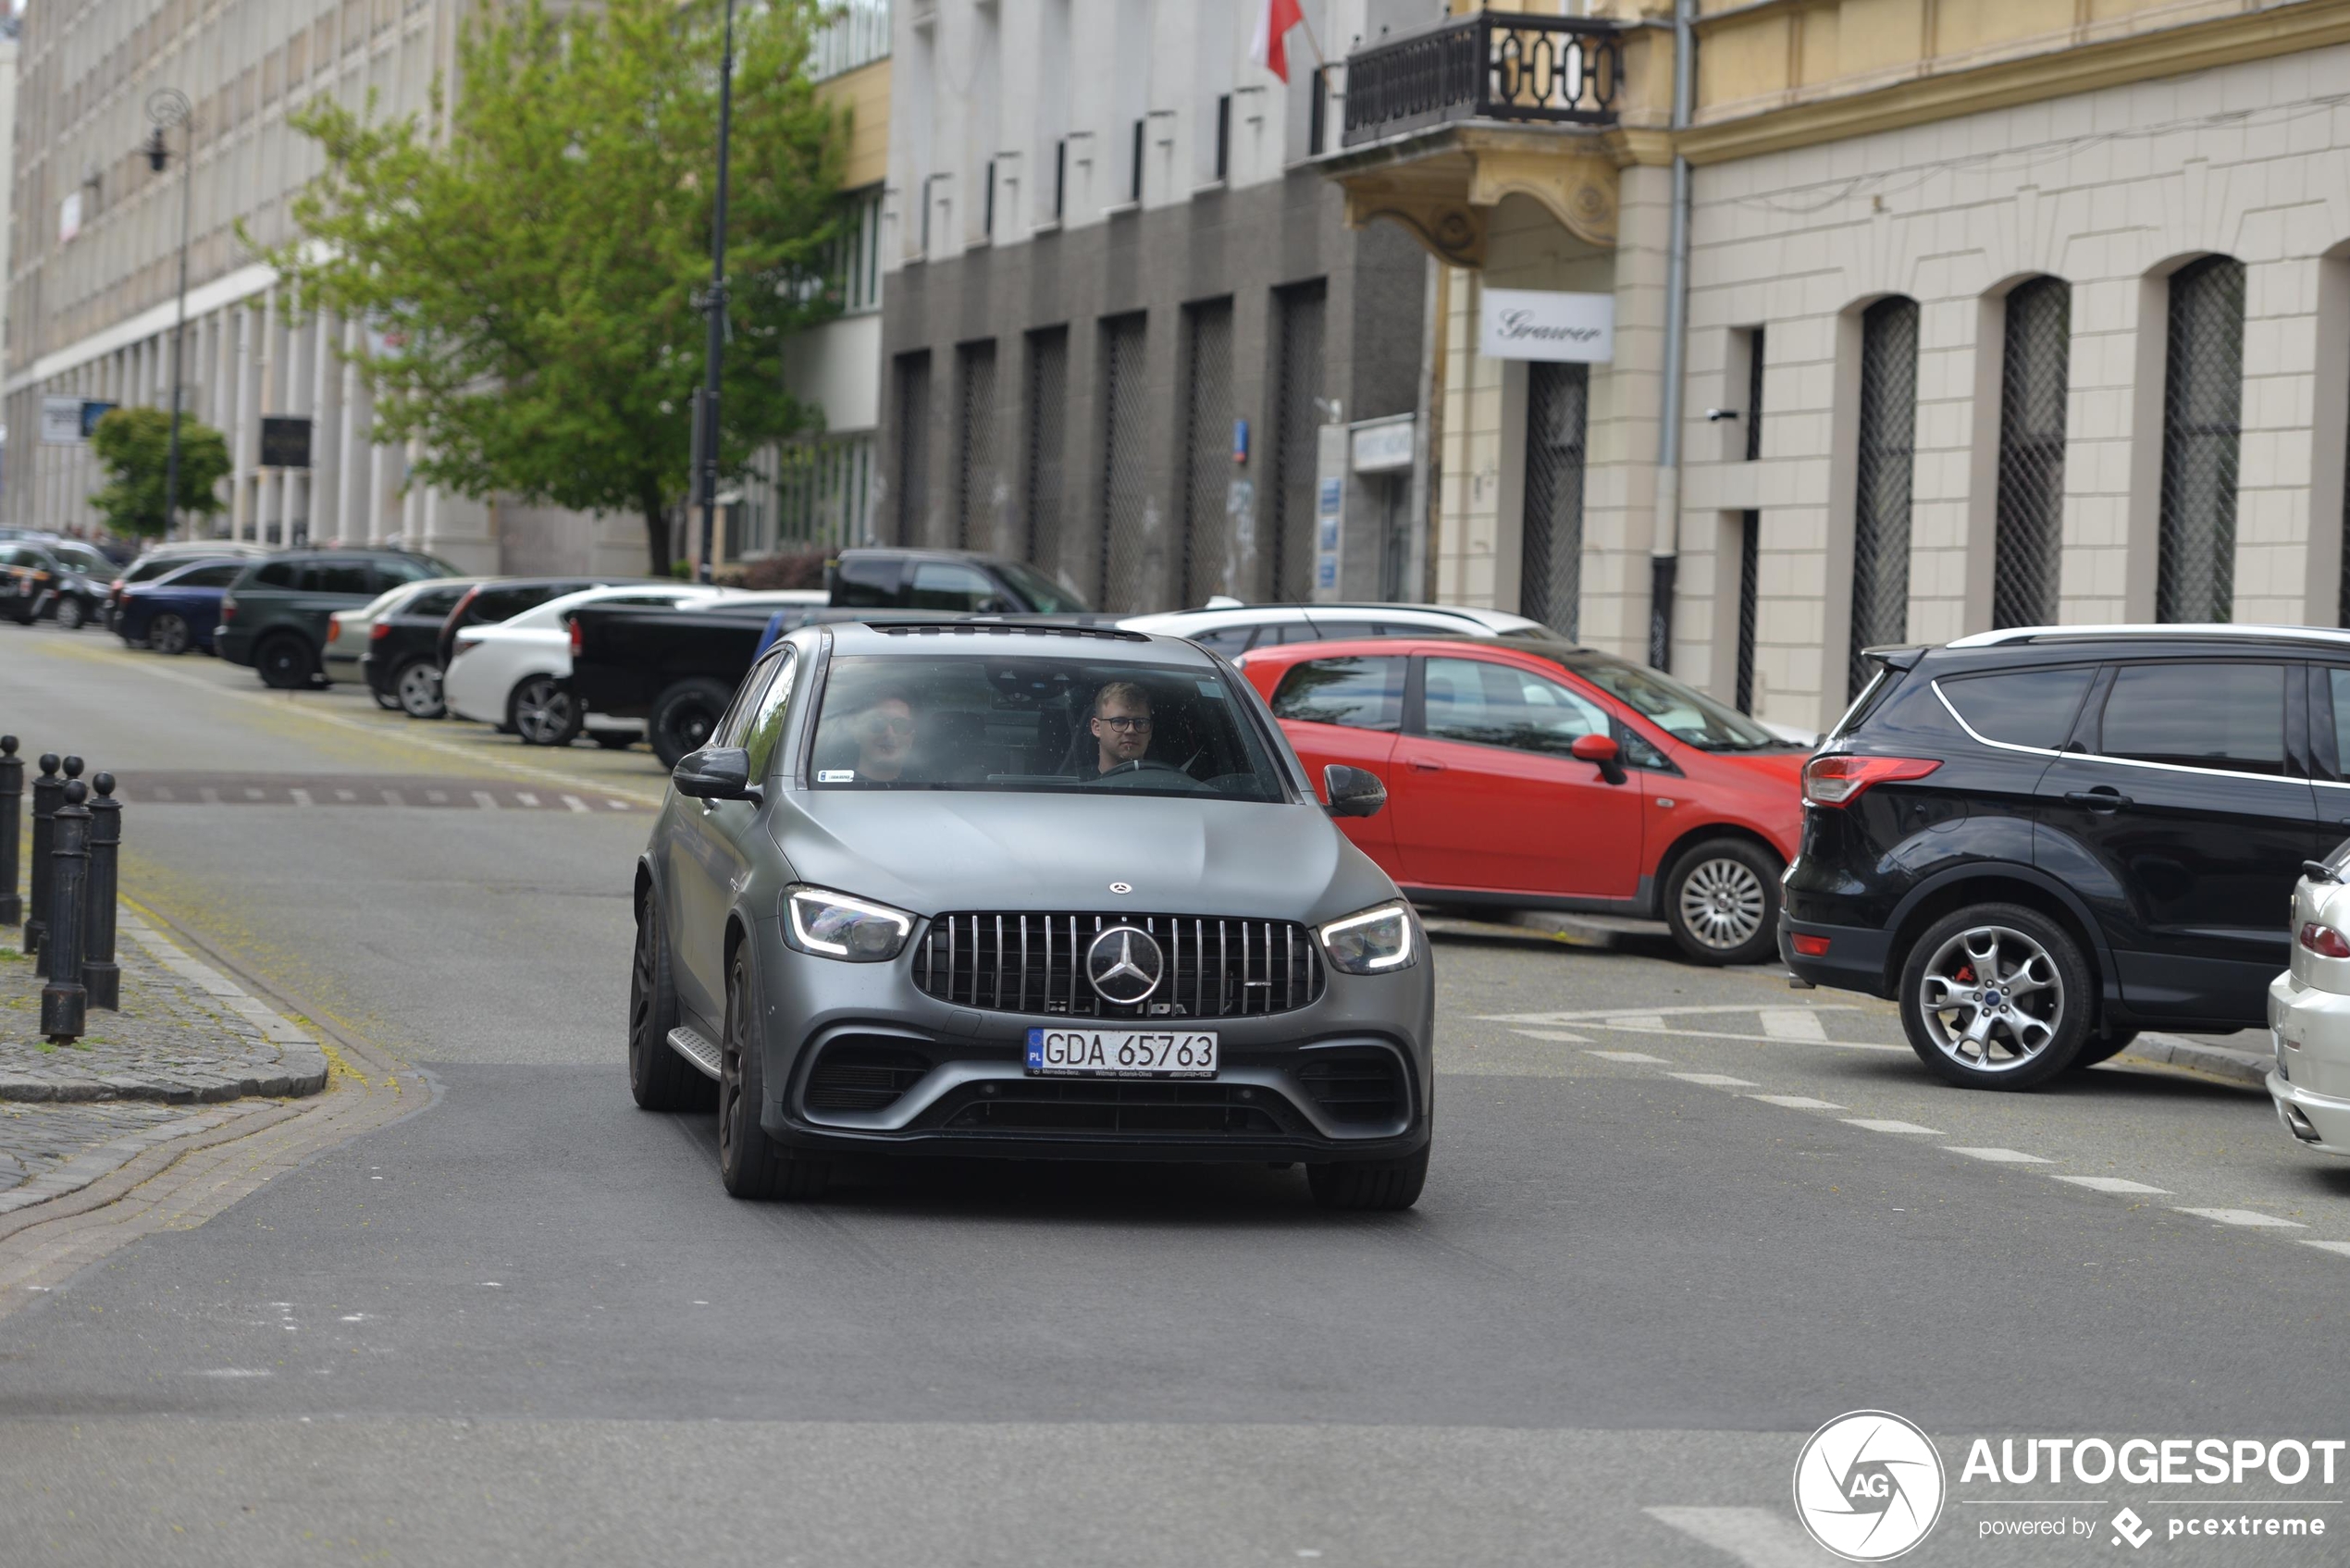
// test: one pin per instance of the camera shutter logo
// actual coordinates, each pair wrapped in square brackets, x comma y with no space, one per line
[1869,1485]
[1124,965]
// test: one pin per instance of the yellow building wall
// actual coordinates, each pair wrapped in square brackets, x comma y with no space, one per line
[863,95]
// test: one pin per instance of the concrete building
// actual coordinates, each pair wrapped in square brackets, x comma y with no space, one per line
[1999,314]
[1127,327]
[91,284]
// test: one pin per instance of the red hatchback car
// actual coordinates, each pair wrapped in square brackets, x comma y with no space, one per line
[1543,775]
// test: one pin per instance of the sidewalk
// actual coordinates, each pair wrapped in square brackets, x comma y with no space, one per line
[189,1051]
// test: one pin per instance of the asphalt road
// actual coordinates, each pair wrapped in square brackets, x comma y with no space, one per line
[1677,1220]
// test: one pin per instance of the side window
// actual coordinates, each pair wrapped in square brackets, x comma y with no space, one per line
[393,570]
[341,577]
[1342,630]
[867,585]
[2032,708]
[1361,694]
[942,585]
[2336,696]
[1229,641]
[208,577]
[735,722]
[433,601]
[2209,715]
[1469,700]
[766,726]
[277,575]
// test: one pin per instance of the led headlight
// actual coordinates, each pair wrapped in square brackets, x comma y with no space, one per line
[1371,942]
[833,925]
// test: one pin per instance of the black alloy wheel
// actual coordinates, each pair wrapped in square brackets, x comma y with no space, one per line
[751,1164]
[659,1078]
[168,633]
[1370,1184]
[684,718]
[543,711]
[417,686]
[286,661]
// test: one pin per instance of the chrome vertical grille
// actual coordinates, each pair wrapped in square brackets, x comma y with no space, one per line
[1217,968]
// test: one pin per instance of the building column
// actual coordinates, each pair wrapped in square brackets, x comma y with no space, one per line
[325,432]
[358,518]
[241,330]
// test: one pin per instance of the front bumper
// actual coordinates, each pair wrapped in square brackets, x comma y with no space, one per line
[2310,1030]
[1300,1085]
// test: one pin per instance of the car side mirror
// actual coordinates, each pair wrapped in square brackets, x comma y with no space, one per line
[1354,792]
[715,773]
[1602,751]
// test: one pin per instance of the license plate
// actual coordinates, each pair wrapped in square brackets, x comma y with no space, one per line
[1120,1053]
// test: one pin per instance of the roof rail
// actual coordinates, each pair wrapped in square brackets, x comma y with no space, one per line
[1003,628]
[2327,635]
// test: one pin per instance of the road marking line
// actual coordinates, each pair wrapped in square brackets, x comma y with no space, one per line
[394,798]
[346,795]
[1714,1079]
[2245,1216]
[2341,1247]
[2111,1184]
[574,803]
[486,800]
[1876,1124]
[1559,1035]
[1627,1056]
[1756,1537]
[1794,1023]
[437,797]
[253,795]
[1636,1020]
[209,795]
[302,797]
[1998,1156]
[1797,1102]
[526,798]
[617,805]
[1602,1014]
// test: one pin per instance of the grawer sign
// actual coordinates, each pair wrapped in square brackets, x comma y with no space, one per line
[1542,325]
[1870,1484]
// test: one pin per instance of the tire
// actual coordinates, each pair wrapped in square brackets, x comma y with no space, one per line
[389,704]
[1370,1184]
[543,711]
[2025,1037]
[71,615]
[684,717]
[286,661]
[751,1164]
[658,1077]
[2104,1047]
[416,687]
[1722,902]
[168,633]
[612,740]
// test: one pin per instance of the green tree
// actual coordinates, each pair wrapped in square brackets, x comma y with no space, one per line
[134,445]
[536,278]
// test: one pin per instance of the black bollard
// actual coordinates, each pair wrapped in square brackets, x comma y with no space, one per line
[101,976]
[11,821]
[46,791]
[64,1005]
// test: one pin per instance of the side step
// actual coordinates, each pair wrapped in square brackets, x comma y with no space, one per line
[687,1042]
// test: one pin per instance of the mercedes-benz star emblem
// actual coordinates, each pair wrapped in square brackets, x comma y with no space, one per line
[1121,887]
[1124,965]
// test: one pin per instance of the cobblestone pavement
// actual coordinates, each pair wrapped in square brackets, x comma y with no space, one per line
[49,1149]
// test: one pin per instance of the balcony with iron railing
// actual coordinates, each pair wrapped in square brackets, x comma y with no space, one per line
[1489,65]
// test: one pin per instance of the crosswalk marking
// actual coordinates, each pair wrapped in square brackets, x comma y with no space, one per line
[1759,1537]
[2000,1157]
[1794,1023]
[1640,1056]
[1881,1124]
[1797,1102]
[1714,1079]
[2111,1184]
[2245,1216]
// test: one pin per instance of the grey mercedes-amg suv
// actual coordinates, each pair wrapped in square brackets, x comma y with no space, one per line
[1039,891]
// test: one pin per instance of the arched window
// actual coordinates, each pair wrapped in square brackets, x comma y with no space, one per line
[2201,426]
[1550,583]
[2028,545]
[1881,508]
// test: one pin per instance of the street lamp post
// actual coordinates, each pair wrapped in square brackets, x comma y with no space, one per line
[706,415]
[168,106]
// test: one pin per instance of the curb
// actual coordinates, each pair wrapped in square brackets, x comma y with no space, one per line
[2221,1061]
[301,1061]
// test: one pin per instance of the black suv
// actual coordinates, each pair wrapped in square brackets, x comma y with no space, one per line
[274,616]
[2040,841]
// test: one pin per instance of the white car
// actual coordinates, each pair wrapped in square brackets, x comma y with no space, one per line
[1230,628]
[2309,1011]
[515,675]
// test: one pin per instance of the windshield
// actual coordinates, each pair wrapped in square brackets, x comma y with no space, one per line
[1037,724]
[1682,713]
[1049,597]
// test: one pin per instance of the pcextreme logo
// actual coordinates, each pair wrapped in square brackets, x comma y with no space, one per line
[1868,1486]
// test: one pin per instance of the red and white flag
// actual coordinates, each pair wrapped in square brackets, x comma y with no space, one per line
[1269,47]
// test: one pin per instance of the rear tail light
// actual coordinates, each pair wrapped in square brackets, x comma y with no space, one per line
[227,610]
[1840,780]
[574,639]
[2324,941]
[1810,946]
[380,631]
[334,628]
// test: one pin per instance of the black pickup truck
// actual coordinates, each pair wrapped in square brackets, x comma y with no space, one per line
[678,669]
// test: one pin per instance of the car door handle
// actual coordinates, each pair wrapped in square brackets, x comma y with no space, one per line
[1424,765]
[2099,799]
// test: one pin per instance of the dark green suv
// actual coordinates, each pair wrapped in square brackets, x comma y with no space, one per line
[274,615]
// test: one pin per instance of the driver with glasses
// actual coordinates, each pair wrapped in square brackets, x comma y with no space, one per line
[1122,724]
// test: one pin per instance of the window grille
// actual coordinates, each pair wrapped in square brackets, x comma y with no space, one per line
[819,491]
[2201,426]
[1047,440]
[1124,568]
[2028,544]
[1749,601]
[1296,426]
[975,446]
[1881,508]
[1224,136]
[1557,409]
[1753,394]
[1212,548]
[913,447]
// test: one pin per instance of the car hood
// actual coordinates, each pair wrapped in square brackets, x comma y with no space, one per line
[1762,767]
[934,851]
